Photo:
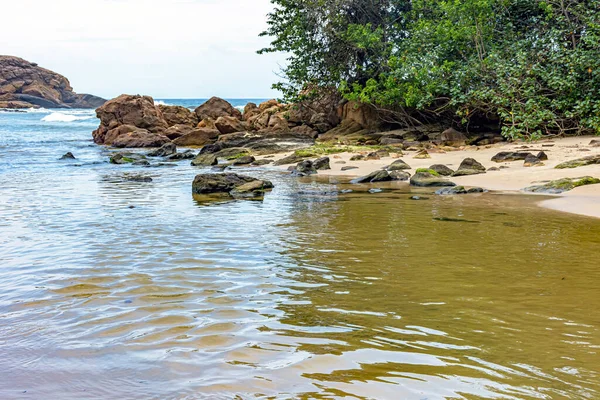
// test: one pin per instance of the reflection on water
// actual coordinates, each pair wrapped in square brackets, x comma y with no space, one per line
[117,289]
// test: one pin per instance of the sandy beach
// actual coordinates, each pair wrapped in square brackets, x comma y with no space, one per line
[583,200]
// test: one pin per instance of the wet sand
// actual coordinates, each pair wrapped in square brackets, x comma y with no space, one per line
[582,201]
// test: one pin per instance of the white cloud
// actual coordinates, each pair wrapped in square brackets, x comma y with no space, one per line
[164,48]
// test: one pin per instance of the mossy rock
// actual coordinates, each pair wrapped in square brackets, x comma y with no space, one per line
[562,185]
[428,171]
[580,162]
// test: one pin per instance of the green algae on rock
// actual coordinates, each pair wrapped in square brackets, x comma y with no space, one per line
[562,185]
[425,179]
[580,162]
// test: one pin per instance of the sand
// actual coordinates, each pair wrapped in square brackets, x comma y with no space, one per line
[584,200]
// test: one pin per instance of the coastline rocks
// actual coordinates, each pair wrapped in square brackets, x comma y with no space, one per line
[291,159]
[458,190]
[532,161]
[322,164]
[24,85]
[205,160]
[68,156]
[442,170]
[197,137]
[140,138]
[234,185]
[426,179]
[469,166]
[580,162]
[166,150]
[507,156]
[228,124]
[397,165]
[244,160]
[177,131]
[562,185]
[126,158]
[266,141]
[422,155]
[215,108]
[542,156]
[186,155]
[178,115]
[382,176]
[304,168]
[452,137]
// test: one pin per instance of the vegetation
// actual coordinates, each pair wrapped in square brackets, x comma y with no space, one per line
[531,67]
[427,171]
[324,149]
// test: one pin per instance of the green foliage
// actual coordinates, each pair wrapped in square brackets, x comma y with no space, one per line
[532,65]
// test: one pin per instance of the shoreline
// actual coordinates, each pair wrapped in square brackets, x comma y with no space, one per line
[582,200]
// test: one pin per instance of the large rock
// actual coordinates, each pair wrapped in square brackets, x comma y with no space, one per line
[166,150]
[442,169]
[140,138]
[507,156]
[562,185]
[215,108]
[228,184]
[470,166]
[24,84]
[397,165]
[304,168]
[198,137]
[227,125]
[178,115]
[580,162]
[266,141]
[452,137]
[383,176]
[135,111]
[205,160]
[177,131]
[319,110]
[426,179]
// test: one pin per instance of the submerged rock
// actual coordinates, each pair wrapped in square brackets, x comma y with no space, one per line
[68,156]
[469,166]
[205,160]
[230,184]
[426,179]
[459,190]
[126,158]
[580,162]
[562,185]
[164,151]
[186,155]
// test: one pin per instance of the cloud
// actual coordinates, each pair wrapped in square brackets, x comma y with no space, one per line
[164,48]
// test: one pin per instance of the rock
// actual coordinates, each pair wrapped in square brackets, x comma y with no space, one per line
[373,191]
[140,138]
[251,190]
[399,175]
[259,163]
[304,168]
[68,156]
[422,155]
[372,156]
[493,169]
[244,160]
[227,125]
[267,141]
[562,185]
[166,150]
[204,160]
[126,158]
[418,198]
[321,164]
[542,156]
[595,143]
[469,166]
[186,155]
[532,160]
[178,115]
[452,137]
[215,108]
[291,159]
[382,176]
[442,170]
[250,110]
[506,156]
[348,168]
[177,131]
[232,153]
[426,179]
[136,178]
[198,137]
[476,190]
[227,183]
[208,123]
[305,130]
[397,165]
[24,85]
[357,157]
[580,162]
[459,190]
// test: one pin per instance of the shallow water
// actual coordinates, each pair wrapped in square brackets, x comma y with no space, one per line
[309,294]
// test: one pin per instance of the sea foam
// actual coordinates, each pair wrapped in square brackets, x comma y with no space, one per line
[62,117]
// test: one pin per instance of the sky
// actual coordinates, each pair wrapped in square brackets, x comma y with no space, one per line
[161,48]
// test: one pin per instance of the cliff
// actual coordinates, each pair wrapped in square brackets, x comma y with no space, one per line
[24,84]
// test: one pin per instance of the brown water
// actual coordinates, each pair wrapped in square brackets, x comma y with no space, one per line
[309,294]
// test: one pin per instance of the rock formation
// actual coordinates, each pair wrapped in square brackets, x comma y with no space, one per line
[24,85]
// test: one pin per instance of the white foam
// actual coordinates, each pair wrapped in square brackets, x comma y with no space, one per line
[62,117]
[161,103]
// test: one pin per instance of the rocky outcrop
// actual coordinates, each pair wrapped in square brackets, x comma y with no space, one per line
[178,115]
[580,162]
[215,108]
[198,137]
[562,185]
[24,85]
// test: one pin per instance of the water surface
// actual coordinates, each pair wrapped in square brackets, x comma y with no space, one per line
[115,289]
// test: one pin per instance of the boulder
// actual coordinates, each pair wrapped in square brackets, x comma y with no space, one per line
[251,190]
[542,156]
[259,163]
[140,138]
[186,155]
[470,166]
[126,158]
[507,156]
[397,165]
[363,114]
[198,137]
[164,151]
[244,160]
[68,156]
[208,123]
[177,131]
[291,159]
[224,184]
[205,160]
[178,115]
[442,170]
[304,168]
[215,108]
[321,164]
[232,153]
[562,185]
[580,162]
[454,138]
[228,124]
[250,110]
[422,155]
[383,176]
[24,84]
[532,161]
[426,179]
